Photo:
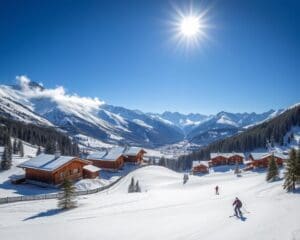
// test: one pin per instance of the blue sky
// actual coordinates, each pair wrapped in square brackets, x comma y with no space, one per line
[122,52]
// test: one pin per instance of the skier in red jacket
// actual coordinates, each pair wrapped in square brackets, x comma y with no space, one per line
[237,209]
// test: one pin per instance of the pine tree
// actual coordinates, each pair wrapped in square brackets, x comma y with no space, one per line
[21,148]
[131,186]
[67,199]
[237,170]
[273,173]
[50,148]
[290,176]
[15,147]
[39,151]
[6,160]
[137,187]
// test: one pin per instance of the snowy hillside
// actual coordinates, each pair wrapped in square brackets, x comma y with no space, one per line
[166,209]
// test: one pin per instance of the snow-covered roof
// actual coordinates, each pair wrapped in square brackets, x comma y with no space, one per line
[46,162]
[97,155]
[260,155]
[91,168]
[227,155]
[132,151]
[110,155]
[197,163]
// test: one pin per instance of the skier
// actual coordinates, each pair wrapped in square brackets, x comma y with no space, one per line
[237,209]
[217,190]
[185,178]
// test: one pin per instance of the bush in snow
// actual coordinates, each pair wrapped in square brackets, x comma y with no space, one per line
[67,199]
[273,173]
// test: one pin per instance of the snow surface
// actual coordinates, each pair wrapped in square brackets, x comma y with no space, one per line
[166,209]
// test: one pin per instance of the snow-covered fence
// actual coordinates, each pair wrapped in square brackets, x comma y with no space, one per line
[56,195]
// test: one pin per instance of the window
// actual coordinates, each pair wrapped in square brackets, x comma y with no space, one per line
[75,170]
[61,175]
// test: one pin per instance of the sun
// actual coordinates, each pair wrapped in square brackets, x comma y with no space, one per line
[190,26]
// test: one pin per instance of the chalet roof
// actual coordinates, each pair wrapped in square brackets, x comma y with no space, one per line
[260,155]
[91,168]
[132,151]
[197,163]
[46,162]
[110,155]
[227,155]
[96,155]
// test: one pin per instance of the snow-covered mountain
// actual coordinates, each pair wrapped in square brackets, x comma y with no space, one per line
[29,101]
[204,129]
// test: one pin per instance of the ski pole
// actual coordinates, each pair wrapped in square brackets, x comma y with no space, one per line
[245,210]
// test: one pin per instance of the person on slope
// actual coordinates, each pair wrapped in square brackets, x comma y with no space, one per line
[217,190]
[185,178]
[237,209]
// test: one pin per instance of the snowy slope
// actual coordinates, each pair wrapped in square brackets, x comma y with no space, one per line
[166,209]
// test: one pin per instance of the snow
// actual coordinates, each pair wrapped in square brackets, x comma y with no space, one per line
[91,168]
[46,162]
[142,123]
[226,120]
[132,151]
[166,209]
[227,155]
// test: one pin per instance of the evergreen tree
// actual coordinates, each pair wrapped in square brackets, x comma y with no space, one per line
[6,160]
[137,187]
[21,148]
[162,161]
[291,173]
[237,170]
[50,148]
[39,151]
[131,188]
[67,199]
[15,147]
[273,173]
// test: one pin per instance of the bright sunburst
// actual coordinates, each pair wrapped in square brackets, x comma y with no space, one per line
[190,26]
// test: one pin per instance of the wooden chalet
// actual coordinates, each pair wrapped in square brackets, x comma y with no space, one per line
[261,159]
[200,167]
[53,169]
[217,159]
[134,154]
[110,159]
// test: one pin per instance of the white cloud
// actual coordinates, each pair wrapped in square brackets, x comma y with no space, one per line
[66,102]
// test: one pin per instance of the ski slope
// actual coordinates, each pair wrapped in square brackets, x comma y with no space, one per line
[166,209]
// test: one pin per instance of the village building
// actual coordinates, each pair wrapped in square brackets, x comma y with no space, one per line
[261,159]
[217,159]
[53,169]
[200,167]
[134,154]
[115,158]
[112,159]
